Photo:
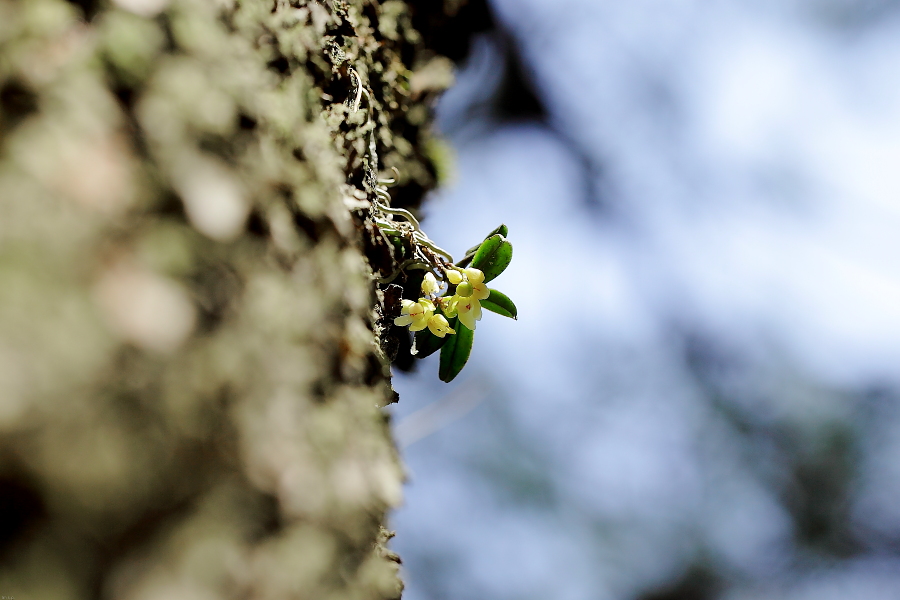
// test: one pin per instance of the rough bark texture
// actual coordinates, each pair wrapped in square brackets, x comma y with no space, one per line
[191,385]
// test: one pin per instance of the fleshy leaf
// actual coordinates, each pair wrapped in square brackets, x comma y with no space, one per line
[502,230]
[427,343]
[501,304]
[493,256]
[470,253]
[455,352]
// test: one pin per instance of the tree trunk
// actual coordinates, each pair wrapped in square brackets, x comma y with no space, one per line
[192,384]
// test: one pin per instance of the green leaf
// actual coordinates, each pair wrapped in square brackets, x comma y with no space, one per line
[470,253]
[493,256]
[501,304]
[427,343]
[502,230]
[455,352]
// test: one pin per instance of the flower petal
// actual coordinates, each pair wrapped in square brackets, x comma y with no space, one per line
[476,309]
[448,305]
[438,325]
[430,285]
[480,291]
[403,321]
[467,319]
[454,276]
[474,275]
[469,310]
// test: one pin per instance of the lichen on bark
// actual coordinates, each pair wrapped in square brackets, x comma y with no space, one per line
[191,383]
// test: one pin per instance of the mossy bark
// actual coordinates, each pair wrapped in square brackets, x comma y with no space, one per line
[192,385]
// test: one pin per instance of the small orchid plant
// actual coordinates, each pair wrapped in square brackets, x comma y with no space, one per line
[452,298]
[444,316]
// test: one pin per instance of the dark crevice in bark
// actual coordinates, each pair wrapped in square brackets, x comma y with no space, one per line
[88,8]
[17,102]
[22,510]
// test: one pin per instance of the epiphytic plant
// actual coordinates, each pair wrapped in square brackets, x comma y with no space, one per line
[453,294]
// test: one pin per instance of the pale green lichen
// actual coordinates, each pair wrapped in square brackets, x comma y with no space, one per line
[191,395]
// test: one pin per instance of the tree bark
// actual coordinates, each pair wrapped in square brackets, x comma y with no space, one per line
[191,376]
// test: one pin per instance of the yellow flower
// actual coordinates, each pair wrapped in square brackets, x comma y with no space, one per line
[470,290]
[430,285]
[439,326]
[454,276]
[469,282]
[415,314]
[469,311]
[448,305]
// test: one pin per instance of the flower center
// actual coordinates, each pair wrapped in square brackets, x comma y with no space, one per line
[464,289]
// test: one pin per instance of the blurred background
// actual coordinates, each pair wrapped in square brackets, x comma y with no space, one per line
[701,396]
